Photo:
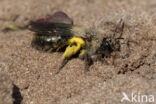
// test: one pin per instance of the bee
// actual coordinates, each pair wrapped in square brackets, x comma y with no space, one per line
[58,33]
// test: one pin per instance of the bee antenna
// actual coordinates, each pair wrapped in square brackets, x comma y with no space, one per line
[119,27]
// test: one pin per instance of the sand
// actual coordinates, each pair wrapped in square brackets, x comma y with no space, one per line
[34,72]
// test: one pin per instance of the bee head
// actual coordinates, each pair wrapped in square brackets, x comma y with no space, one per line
[105,48]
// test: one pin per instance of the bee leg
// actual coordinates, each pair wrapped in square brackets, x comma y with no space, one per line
[119,29]
[50,50]
[71,50]
[82,53]
[88,60]
[64,62]
[85,57]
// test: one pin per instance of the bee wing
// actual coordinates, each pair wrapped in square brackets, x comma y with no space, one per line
[52,28]
[59,23]
[60,17]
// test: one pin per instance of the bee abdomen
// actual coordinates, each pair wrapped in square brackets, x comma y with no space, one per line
[48,43]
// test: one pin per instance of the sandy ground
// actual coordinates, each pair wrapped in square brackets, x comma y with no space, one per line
[31,75]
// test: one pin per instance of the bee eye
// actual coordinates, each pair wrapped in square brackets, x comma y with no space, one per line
[105,44]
